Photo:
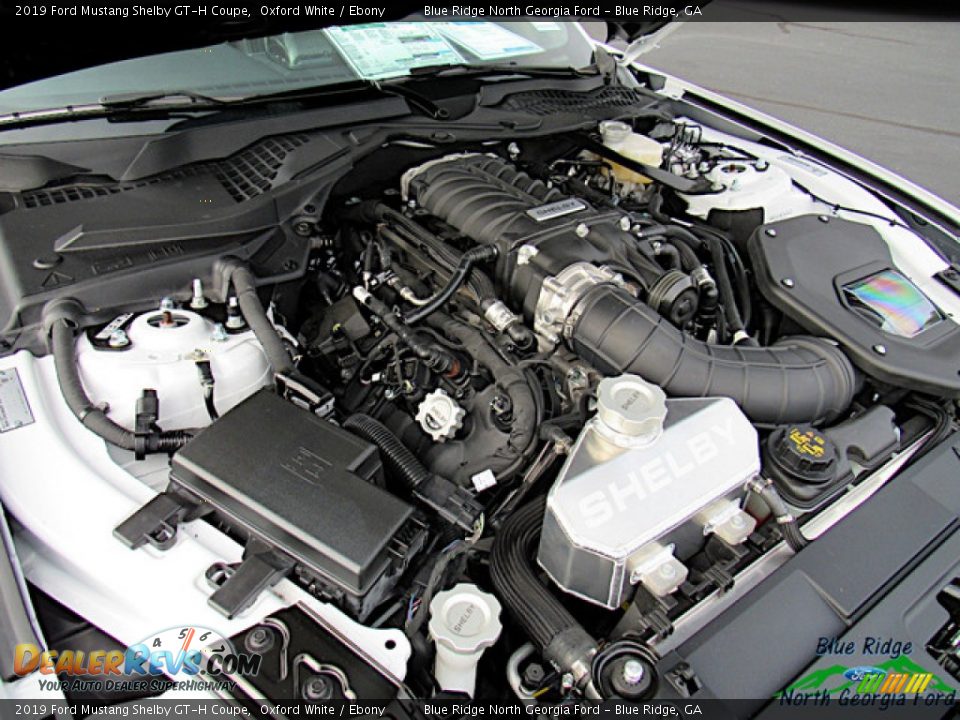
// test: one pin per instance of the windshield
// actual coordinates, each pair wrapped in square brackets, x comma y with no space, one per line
[289,61]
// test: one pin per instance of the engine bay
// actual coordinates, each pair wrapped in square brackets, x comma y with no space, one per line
[526,403]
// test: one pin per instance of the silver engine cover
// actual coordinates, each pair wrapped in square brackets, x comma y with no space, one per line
[620,502]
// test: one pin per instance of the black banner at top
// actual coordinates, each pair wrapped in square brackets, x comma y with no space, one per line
[47,37]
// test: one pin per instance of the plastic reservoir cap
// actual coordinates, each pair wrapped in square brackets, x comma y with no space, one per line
[465,619]
[614,132]
[631,406]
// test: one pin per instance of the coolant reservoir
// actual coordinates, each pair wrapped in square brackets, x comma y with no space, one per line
[619,137]
[160,351]
[647,476]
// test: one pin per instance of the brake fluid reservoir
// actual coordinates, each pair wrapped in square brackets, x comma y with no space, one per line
[620,138]
[160,350]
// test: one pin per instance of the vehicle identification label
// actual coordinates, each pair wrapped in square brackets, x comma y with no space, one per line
[14,409]
[556,209]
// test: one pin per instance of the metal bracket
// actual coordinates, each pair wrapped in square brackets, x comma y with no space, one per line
[319,668]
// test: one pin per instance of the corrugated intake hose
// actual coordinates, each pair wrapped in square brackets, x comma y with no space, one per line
[92,417]
[403,464]
[557,634]
[801,379]
[244,284]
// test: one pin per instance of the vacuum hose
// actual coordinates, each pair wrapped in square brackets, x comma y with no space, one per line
[460,276]
[557,634]
[801,379]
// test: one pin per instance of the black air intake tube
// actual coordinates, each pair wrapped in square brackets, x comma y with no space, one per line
[801,379]
[548,623]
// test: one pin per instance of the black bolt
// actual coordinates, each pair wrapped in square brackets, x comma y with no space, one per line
[316,687]
[533,675]
[259,640]
[290,265]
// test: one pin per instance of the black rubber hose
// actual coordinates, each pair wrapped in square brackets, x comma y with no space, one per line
[400,461]
[482,285]
[688,258]
[669,251]
[92,417]
[444,256]
[678,235]
[433,356]
[244,284]
[551,627]
[801,379]
[731,312]
[687,245]
[460,275]
[394,221]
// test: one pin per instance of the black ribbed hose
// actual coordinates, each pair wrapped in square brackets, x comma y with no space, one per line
[688,258]
[92,417]
[801,379]
[715,246]
[557,634]
[731,312]
[402,464]
[452,503]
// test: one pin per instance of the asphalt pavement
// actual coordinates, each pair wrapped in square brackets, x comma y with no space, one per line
[889,91]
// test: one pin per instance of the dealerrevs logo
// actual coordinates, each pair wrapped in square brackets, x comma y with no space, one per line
[176,653]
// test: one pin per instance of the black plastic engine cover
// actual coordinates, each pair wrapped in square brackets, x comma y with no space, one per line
[803,266]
